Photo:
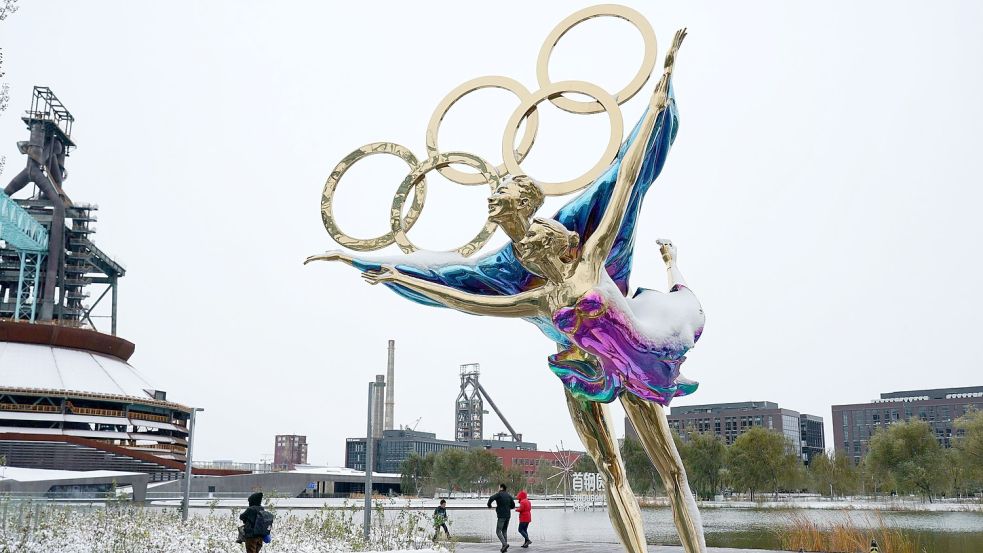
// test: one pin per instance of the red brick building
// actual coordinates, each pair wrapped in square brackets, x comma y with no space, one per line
[527,460]
[289,451]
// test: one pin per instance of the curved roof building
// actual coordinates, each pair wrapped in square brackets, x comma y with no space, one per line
[70,400]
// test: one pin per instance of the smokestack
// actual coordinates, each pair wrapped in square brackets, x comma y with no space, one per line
[390,389]
[377,406]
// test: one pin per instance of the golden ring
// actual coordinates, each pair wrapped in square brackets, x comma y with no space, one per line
[397,222]
[603,10]
[504,83]
[550,92]
[327,197]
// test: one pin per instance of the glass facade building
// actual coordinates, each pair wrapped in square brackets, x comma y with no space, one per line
[394,447]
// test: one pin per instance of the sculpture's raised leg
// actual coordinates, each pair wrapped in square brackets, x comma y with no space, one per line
[596,429]
[649,420]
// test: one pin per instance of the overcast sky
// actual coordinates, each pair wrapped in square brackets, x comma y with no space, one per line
[823,192]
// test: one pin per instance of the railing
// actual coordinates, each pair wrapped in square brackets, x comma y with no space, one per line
[30,408]
[149,417]
[95,412]
[163,447]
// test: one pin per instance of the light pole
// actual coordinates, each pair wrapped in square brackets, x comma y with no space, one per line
[185,503]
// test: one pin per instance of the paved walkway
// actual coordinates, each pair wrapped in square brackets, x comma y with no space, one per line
[580,547]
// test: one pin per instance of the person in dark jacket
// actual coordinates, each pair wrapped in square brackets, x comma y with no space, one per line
[248,517]
[503,508]
[440,520]
[525,516]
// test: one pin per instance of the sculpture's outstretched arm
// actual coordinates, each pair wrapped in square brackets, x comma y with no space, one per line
[525,304]
[670,257]
[334,255]
[598,246]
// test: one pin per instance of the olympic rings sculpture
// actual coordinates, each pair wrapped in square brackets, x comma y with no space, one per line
[512,155]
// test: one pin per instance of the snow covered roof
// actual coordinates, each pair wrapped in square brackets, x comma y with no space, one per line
[46,367]
[32,475]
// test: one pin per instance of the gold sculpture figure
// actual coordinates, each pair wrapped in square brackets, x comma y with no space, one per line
[610,346]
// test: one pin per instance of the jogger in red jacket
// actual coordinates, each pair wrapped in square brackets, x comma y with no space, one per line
[525,516]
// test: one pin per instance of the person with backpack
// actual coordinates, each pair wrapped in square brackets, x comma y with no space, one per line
[525,516]
[440,520]
[257,523]
[503,508]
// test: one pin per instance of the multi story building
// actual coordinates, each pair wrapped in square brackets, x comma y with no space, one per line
[853,425]
[394,447]
[813,440]
[289,450]
[730,420]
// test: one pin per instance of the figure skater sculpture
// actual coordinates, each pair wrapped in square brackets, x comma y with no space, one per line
[569,276]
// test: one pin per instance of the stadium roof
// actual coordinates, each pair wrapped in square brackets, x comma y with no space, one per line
[46,367]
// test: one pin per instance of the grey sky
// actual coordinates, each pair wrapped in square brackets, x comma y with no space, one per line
[823,191]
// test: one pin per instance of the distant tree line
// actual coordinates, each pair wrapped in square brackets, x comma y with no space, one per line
[904,458]
[480,471]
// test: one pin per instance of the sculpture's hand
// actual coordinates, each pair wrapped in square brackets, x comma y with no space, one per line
[333,255]
[386,273]
[669,255]
[677,41]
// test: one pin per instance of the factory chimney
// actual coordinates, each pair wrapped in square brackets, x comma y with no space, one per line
[377,406]
[390,389]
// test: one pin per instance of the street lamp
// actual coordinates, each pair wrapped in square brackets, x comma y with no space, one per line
[185,503]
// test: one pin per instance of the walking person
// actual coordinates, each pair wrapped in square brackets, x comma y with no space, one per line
[440,520]
[503,508]
[525,516]
[256,524]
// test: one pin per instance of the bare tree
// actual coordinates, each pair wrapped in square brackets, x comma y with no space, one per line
[7,7]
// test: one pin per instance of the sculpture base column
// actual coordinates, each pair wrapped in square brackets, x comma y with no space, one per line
[596,429]
[649,420]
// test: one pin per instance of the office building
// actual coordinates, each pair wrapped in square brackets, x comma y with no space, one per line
[394,447]
[289,450]
[729,420]
[853,425]
[813,441]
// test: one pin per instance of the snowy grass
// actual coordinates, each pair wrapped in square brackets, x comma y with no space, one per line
[35,527]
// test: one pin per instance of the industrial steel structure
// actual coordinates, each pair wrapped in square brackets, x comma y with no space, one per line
[469,412]
[69,399]
[47,254]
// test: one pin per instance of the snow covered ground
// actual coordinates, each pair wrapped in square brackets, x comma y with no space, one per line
[32,527]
